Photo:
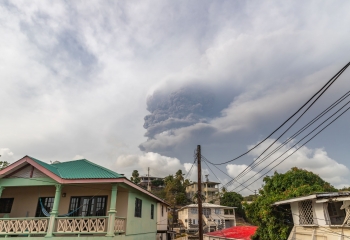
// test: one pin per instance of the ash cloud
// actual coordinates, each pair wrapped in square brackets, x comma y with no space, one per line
[183,107]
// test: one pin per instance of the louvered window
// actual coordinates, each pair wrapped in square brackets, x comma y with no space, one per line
[306,215]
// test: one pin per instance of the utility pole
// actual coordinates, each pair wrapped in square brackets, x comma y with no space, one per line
[199,196]
[148,186]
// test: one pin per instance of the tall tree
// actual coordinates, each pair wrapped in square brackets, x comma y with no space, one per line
[135,177]
[3,164]
[273,222]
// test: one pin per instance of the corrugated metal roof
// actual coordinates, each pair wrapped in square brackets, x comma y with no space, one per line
[78,169]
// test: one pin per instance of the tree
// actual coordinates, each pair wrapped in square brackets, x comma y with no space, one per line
[273,222]
[232,199]
[135,177]
[157,182]
[3,164]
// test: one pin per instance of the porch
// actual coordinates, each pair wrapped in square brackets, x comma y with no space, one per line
[62,210]
[63,226]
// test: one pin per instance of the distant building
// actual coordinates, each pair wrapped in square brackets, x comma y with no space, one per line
[319,216]
[210,190]
[215,217]
[145,179]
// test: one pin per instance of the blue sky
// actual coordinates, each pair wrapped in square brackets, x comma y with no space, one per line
[78,79]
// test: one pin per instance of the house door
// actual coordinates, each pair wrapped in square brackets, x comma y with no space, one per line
[88,206]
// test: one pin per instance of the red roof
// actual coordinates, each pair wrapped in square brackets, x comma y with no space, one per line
[238,232]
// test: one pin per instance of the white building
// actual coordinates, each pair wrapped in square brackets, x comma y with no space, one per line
[210,190]
[163,231]
[320,216]
[215,217]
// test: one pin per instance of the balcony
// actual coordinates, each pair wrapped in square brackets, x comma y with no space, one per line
[64,226]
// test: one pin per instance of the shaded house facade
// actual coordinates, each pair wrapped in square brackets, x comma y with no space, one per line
[319,216]
[215,217]
[75,199]
[210,191]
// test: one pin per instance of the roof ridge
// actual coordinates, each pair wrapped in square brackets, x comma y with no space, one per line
[106,169]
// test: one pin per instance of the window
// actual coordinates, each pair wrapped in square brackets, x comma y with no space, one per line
[194,221]
[206,212]
[194,210]
[217,211]
[47,203]
[138,207]
[306,213]
[162,210]
[6,205]
[152,211]
[336,214]
[228,211]
[88,206]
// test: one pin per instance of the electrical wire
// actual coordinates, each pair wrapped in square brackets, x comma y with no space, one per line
[321,91]
[206,160]
[298,141]
[295,150]
[256,163]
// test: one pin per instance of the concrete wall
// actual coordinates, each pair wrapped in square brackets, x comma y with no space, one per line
[136,226]
[162,221]
[26,198]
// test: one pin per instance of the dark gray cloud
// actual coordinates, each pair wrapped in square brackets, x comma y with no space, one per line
[183,107]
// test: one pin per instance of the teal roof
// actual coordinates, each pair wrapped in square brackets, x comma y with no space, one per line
[78,169]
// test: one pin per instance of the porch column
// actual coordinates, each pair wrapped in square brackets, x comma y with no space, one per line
[1,189]
[112,211]
[54,212]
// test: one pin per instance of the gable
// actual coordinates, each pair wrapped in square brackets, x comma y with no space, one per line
[27,171]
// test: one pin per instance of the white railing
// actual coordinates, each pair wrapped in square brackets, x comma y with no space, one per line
[23,225]
[119,225]
[81,225]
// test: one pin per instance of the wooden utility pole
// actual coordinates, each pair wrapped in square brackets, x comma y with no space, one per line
[199,194]
[148,186]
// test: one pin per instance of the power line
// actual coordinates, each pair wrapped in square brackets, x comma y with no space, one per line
[206,160]
[296,149]
[188,173]
[321,91]
[297,133]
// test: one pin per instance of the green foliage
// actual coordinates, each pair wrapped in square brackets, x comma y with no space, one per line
[233,199]
[3,164]
[251,197]
[273,222]
[135,177]
[174,191]
[157,182]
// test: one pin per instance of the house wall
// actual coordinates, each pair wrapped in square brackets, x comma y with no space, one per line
[187,214]
[136,226]
[318,233]
[295,212]
[162,221]
[26,198]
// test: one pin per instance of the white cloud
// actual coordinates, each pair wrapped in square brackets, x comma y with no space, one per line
[314,160]
[160,166]
[6,155]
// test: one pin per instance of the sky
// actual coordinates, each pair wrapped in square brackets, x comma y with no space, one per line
[137,84]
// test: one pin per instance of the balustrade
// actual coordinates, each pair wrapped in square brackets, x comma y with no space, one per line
[23,225]
[81,224]
[119,225]
[64,225]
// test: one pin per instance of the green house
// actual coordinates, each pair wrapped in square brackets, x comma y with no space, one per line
[76,199]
